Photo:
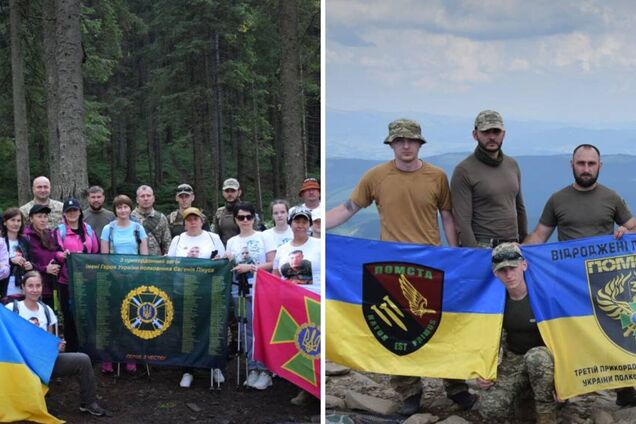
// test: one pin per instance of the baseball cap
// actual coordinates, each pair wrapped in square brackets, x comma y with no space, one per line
[231,183]
[192,211]
[300,212]
[404,128]
[489,119]
[71,203]
[506,254]
[308,184]
[315,214]
[39,209]
[184,189]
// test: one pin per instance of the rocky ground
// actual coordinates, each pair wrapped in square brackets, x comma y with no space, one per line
[358,397]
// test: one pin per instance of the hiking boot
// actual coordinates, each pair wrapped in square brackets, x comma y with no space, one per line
[410,405]
[464,399]
[302,398]
[252,376]
[186,380]
[626,396]
[94,409]
[107,368]
[217,376]
[263,382]
[546,418]
[131,368]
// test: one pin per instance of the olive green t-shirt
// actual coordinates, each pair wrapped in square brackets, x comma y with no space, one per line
[407,202]
[579,214]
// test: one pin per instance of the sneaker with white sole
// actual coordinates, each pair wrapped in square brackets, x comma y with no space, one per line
[252,376]
[263,382]
[218,377]
[95,409]
[186,380]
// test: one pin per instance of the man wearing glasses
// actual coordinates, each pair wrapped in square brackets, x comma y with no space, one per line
[408,193]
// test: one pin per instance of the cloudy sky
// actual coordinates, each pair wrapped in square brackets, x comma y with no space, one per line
[568,61]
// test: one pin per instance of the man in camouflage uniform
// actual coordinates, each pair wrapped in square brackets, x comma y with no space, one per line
[223,223]
[155,223]
[184,197]
[41,192]
[527,365]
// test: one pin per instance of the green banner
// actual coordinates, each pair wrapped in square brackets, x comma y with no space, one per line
[154,309]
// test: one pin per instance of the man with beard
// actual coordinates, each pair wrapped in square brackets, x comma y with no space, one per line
[486,190]
[224,224]
[95,215]
[585,209]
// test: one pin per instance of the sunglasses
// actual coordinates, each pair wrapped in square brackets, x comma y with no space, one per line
[506,256]
[244,217]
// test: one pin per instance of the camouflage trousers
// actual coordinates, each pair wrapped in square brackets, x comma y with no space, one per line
[407,386]
[518,376]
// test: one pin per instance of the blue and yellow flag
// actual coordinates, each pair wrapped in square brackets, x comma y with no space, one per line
[583,294]
[408,309]
[27,356]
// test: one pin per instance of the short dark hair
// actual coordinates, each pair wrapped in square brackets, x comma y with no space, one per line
[586,146]
[95,189]
[244,206]
[122,199]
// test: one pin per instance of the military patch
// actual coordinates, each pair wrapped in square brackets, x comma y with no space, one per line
[612,288]
[402,304]
[147,312]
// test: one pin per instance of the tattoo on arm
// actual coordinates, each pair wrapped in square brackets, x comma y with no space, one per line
[350,206]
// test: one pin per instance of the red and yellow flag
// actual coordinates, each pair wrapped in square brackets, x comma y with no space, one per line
[287,331]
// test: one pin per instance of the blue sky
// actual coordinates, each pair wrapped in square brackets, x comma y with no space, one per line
[559,61]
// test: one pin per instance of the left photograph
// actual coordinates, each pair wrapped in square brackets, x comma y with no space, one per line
[160,252]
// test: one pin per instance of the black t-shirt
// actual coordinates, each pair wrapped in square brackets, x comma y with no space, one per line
[522,333]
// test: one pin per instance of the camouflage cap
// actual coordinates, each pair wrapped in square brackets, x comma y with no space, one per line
[404,128]
[231,183]
[489,119]
[506,254]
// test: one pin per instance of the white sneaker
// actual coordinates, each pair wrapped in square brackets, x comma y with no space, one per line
[186,380]
[251,378]
[263,382]
[218,377]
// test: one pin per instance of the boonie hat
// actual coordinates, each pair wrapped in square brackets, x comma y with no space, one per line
[39,209]
[308,184]
[192,211]
[71,203]
[231,183]
[506,254]
[489,119]
[404,128]
[300,212]
[184,189]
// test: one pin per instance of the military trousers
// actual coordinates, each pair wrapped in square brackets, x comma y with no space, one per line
[407,386]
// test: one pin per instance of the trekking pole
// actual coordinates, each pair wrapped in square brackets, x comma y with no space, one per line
[242,324]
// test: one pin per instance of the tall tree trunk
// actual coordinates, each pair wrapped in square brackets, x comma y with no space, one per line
[19,105]
[220,154]
[51,85]
[257,158]
[277,167]
[73,177]
[291,108]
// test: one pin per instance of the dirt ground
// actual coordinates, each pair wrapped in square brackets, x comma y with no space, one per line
[158,399]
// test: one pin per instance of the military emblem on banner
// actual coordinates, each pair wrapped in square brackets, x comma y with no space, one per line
[402,304]
[147,312]
[612,285]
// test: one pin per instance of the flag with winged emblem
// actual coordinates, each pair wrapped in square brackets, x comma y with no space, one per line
[583,294]
[287,330]
[409,309]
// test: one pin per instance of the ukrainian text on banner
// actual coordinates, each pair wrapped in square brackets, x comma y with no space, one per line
[583,294]
[160,310]
[287,331]
[27,356]
[408,309]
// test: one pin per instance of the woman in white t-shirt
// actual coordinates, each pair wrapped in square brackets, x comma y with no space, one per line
[250,251]
[299,260]
[281,232]
[196,243]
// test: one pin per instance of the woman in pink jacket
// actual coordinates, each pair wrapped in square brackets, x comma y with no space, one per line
[73,236]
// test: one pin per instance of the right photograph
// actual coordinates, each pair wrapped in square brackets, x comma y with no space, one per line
[480,234]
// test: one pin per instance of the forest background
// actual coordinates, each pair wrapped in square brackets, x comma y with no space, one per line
[121,93]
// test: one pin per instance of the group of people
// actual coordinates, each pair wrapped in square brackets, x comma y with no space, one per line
[483,207]
[39,236]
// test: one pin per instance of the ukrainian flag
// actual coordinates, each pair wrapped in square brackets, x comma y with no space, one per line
[583,294]
[415,310]
[27,355]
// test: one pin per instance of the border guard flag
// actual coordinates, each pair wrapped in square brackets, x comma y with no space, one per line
[583,294]
[27,355]
[409,309]
[287,331]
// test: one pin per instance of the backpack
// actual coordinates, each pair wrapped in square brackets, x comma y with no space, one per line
[111,226]
[62,231]
[47,314]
